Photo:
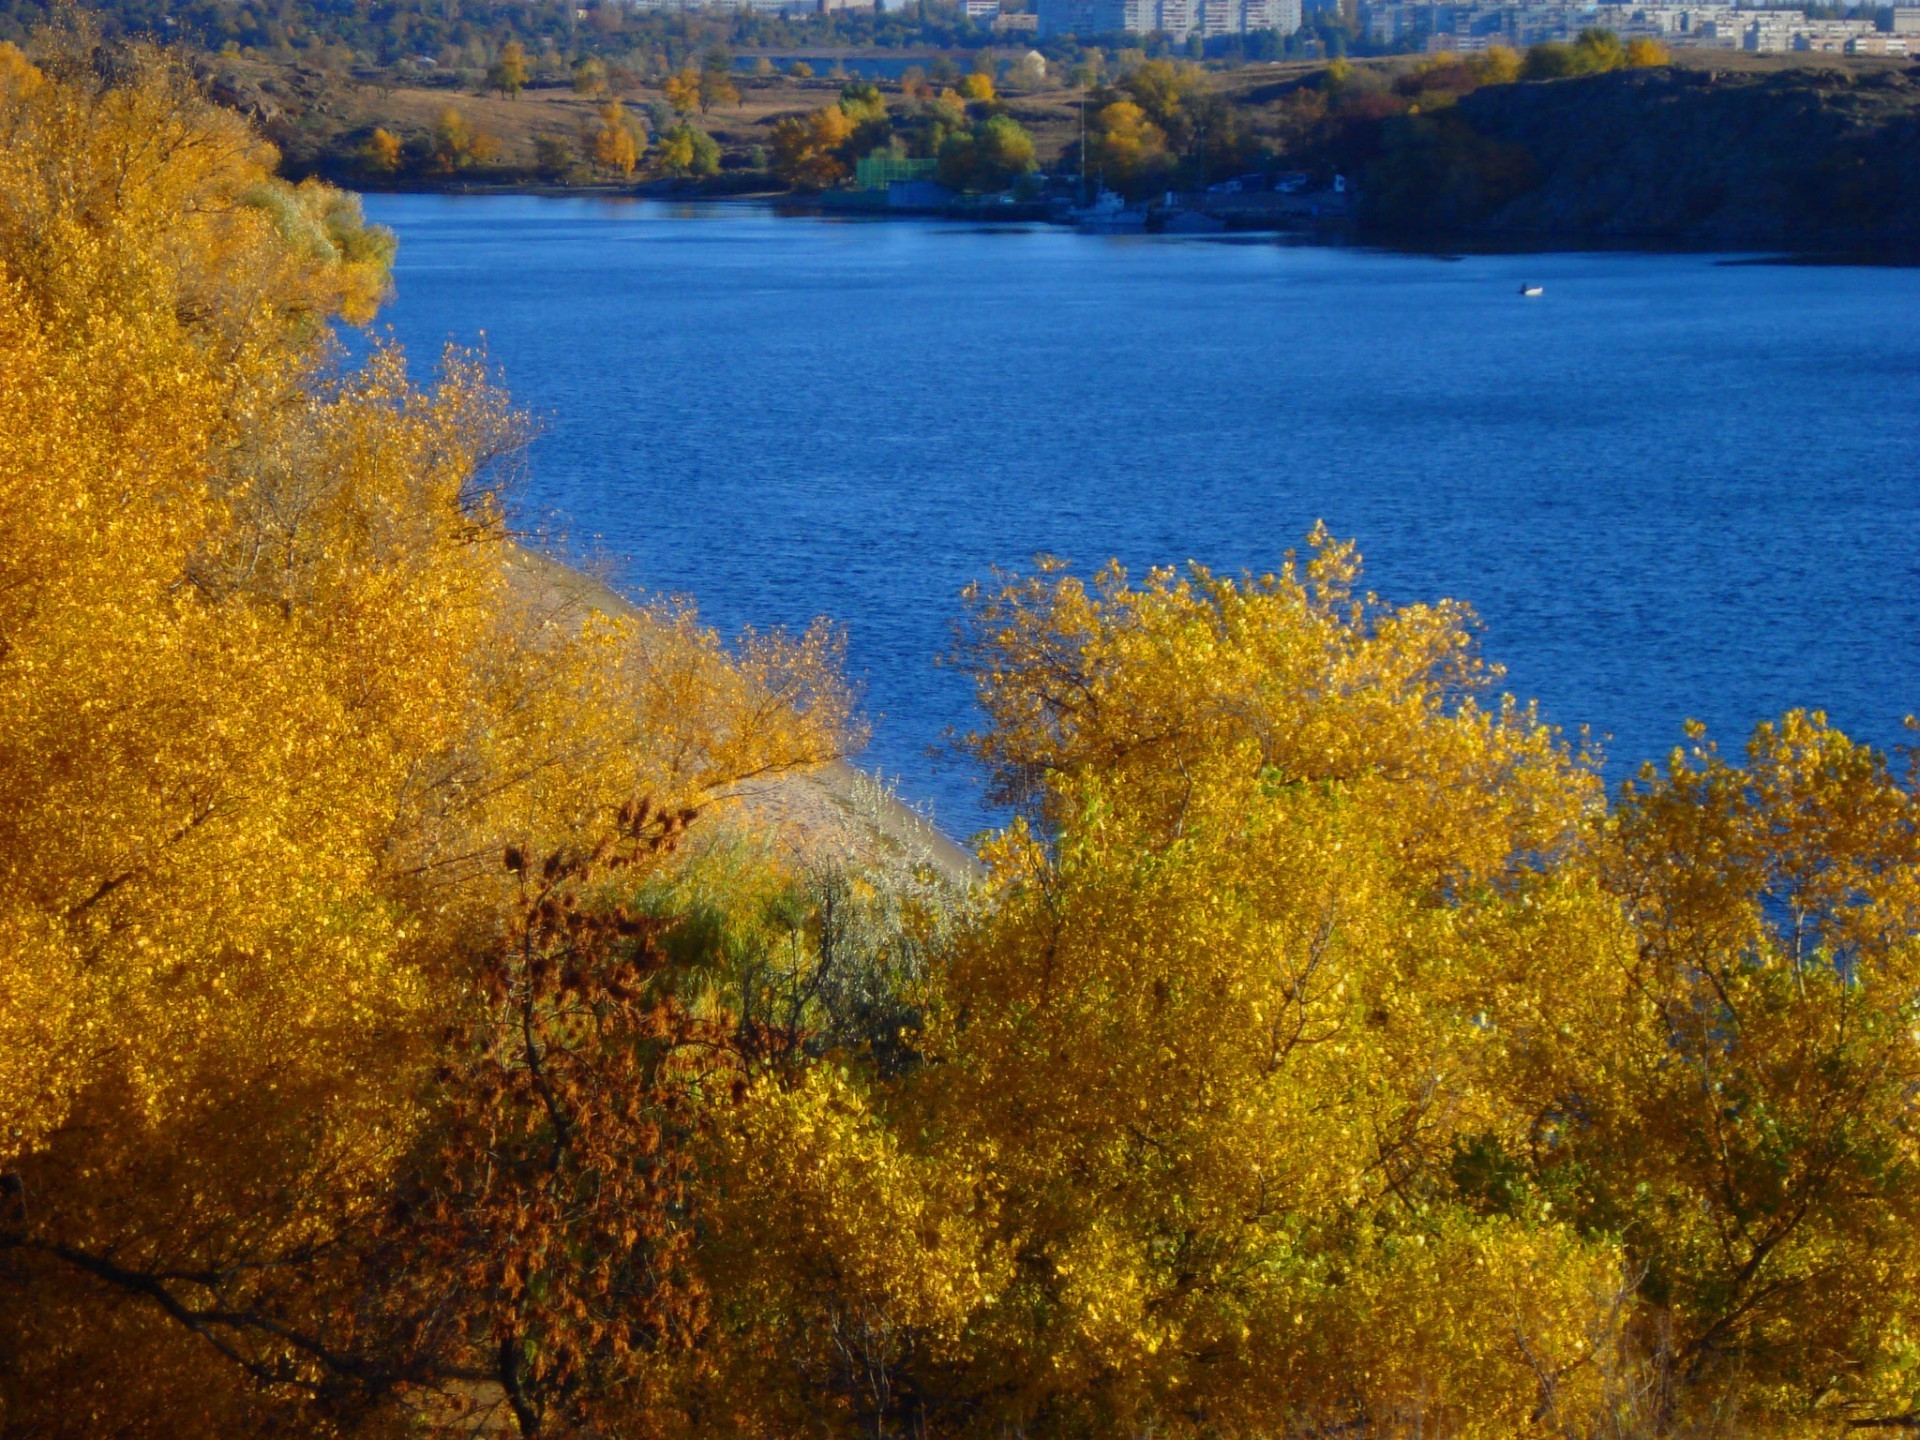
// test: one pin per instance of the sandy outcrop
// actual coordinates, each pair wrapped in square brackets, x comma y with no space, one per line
[833,812]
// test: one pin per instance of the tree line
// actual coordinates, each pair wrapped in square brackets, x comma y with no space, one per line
[965,130]
[388,33]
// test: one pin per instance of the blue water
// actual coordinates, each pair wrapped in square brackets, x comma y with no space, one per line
[1671,486]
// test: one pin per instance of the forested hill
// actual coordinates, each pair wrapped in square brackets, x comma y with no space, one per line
[1802,156]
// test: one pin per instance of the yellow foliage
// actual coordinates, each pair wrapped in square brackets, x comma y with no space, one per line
[1321,1056]
[508,74]
[456,144]
[806,149]
[1467,1328]
[190,216]
[717,88]
[1125,144]
[683,90]
[614,147]
[382,152]
[19,76]
[1646,53]
[1497,65]
[1189,1070]
[274,698]
[1288,683]
[845,1251]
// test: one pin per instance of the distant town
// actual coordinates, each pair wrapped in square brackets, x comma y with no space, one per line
[1432,26]
[1463,28]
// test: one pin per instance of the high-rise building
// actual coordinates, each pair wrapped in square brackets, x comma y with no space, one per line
[1081,17]
[1282,15]
[1176,19]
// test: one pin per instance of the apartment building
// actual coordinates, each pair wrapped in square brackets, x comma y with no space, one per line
[763,7]
[1438,25]
[1082,17]
[1175,18]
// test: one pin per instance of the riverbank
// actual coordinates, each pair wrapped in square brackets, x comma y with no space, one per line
[1896,252]
[1803,152]
[836,813]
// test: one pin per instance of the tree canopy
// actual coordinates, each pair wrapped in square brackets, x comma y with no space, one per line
[398,1038]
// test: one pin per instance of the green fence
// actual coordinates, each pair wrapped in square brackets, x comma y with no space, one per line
[877,172]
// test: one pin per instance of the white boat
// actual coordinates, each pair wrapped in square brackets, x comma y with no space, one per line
[1533,289]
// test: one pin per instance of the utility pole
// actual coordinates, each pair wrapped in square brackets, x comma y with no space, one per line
[1083,146]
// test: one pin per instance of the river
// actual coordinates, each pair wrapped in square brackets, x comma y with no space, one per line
[1671,485]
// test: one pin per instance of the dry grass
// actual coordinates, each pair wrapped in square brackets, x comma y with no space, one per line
[328,114]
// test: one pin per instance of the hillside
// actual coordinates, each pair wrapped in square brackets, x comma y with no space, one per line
[1753,151]
[1799,156]
[321,119]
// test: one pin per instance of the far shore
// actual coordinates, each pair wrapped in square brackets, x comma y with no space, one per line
[1756,251]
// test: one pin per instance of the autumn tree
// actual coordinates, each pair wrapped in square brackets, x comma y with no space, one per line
[19,76]
[991,156]
[1593,52]
[1170,93]
[276,699]
[381,154]
[1733,1095]
[1224,999]
[1125,149]
[543,1235]
[555,156]
[590,76]
[1497,65]
[808,151]
[452,141]
[1029,72]
[1644,53]
[1599,50]
[1321,1053]
[865,106]
[508,74]
[683,90]
[716,84]
[685,150]
[616,143]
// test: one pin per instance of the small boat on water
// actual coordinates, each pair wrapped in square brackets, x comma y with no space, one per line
[1533,290]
